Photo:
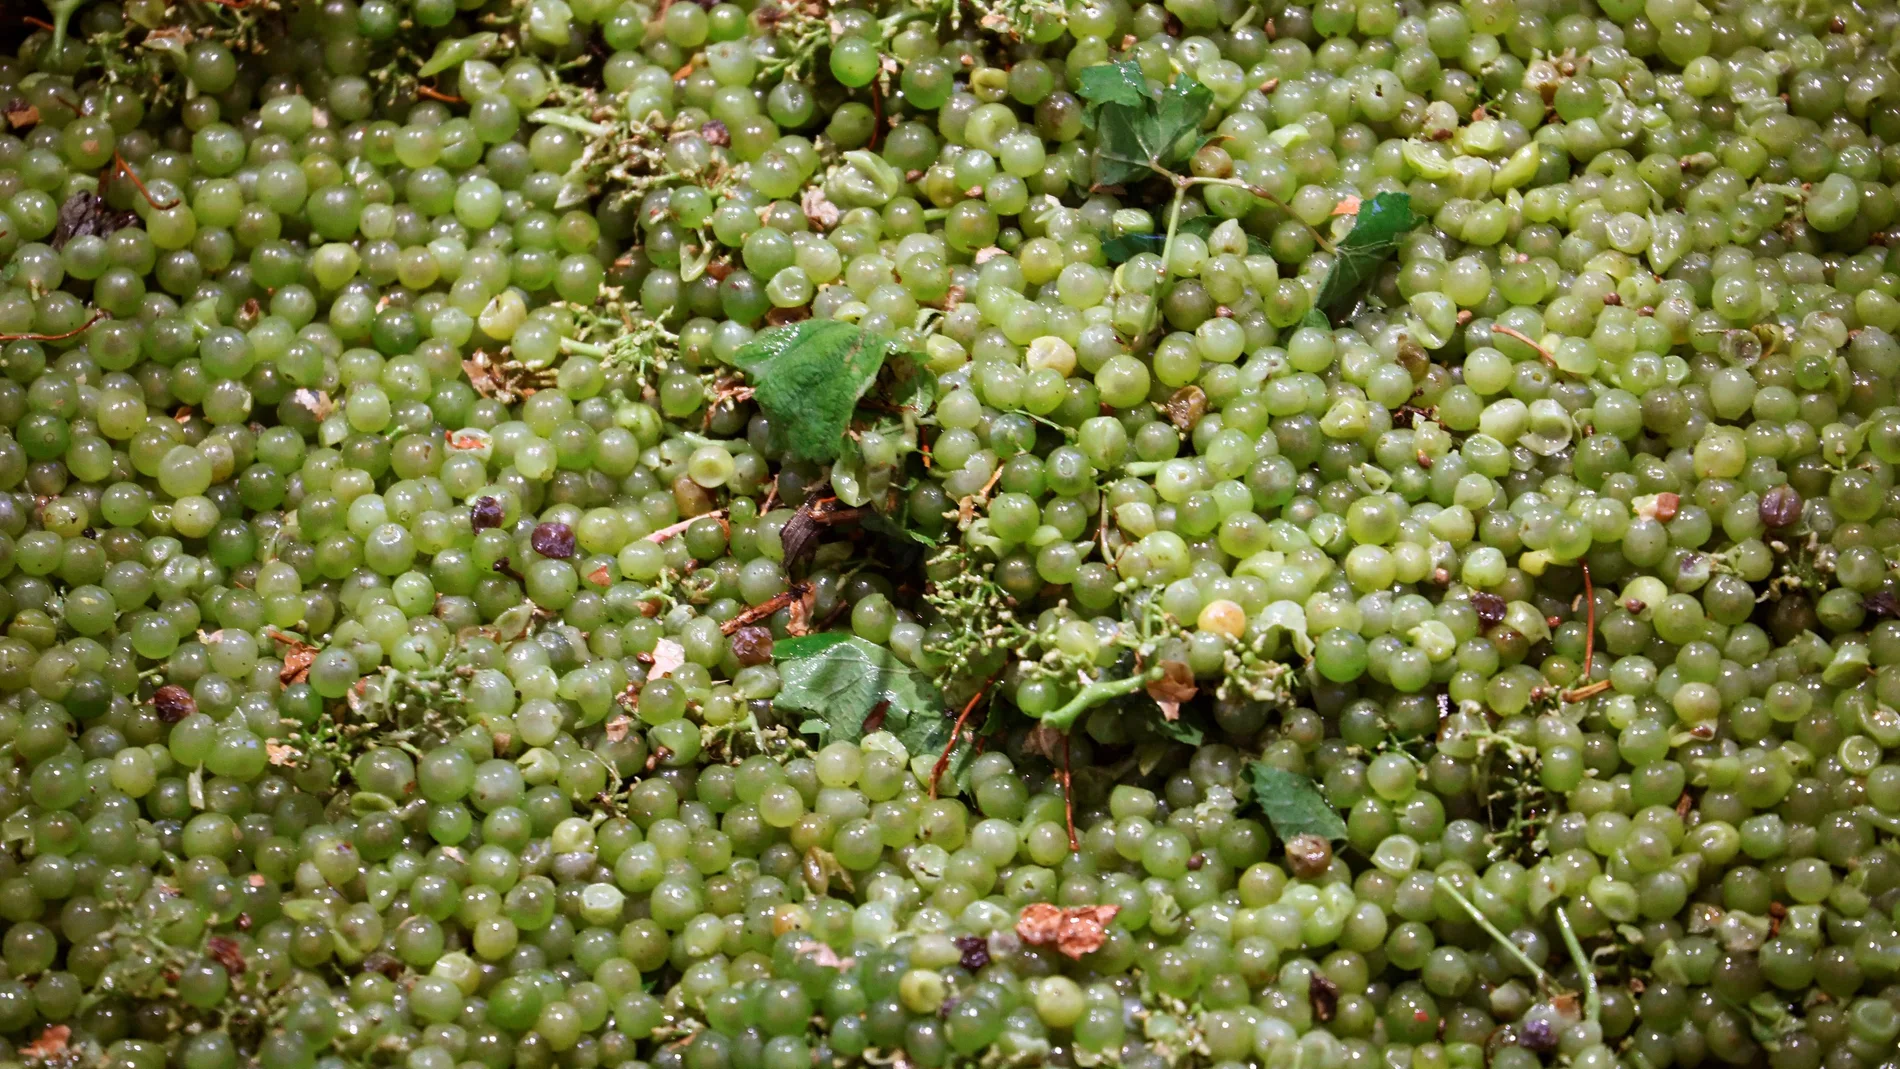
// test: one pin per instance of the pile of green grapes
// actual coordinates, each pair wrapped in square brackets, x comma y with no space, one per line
[596,534]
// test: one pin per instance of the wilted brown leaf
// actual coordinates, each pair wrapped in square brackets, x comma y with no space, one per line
[1045,742]
[51,1044]
[818,208]
[227,953]
[824,955]
[1186,406]
[1324,995]
[298,656]
[1075,931]
[1175,686]
[20,114]
[1347,206]
[667,656]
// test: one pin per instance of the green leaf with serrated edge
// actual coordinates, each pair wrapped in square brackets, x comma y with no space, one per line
[837,679]
[1118,83]
[808,378]
[1293,804]
[1316,319]
[1178,116]
[1375,235]
[1133,140]
[1180,731]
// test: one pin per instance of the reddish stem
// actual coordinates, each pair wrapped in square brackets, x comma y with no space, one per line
[956,734]
[1589,643]
[1512,332]
[126,169]
[877,114]
[73,333]
[38,24]
[1068,798]
[429,92]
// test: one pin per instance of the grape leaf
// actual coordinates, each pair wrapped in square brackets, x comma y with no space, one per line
[1121,83]
[808,377]
[1125,248]
[838,679]
[1375,235]
[1293,804]
[1136,132]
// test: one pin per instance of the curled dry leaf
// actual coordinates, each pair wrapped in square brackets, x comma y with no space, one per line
[818,208]
[1075,931]
[226,952]
[316,401]
[986,253]
[1185,407]
[824,955]
[667,656]
[51,1044]
[1175,686]
[1324,995]
[618,726]
[281,753]
[1347,206]
[1045,742]
[298,657]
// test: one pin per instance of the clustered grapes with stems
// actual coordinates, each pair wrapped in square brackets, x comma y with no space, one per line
[597,534]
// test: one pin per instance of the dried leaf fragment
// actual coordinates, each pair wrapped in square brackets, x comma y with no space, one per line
[1347,206]
[51,1044]
[667,656]
[1324,995]
[298,657]
[21,115]
[824,955]
[1175,686]
[1185,407]
[280,753]
[1075,931]
[226,952]
[818,208]
[618,726]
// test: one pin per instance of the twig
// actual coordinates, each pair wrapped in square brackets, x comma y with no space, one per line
[667,532]
[877,114]
[1513,332]
[429,92]
[1543,978]
[1068,798]
[763,609]
[956,733]
[1589,642]
[38,23]
[125,168]
[1592,1002]
[75,332]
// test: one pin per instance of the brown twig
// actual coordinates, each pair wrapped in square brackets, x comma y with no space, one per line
[669,531]
[956,732]
[877,114]
[75,332]
[1589,643]
[1513,332]
[38,24]
[1068,798]
[763,609]
[429,92]
[125,168]
[235,5]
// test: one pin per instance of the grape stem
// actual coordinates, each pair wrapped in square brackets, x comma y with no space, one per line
[62,11]
[1592,1002]
[1185,182]
[1512,332]
[557,117]
[1589,644]
[956,734]
[1543,978]
[1095,694]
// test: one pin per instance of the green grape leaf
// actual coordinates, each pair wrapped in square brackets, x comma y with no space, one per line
[1138,133]
[1120,83]
[1180,731]
[1293,804]
[1123,249]
[1316,319]
[808,377]
[1375,235]
[838,680]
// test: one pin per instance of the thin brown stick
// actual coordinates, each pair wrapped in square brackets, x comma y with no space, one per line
[126,169]
[667,532]
[73,333]
[877,114]
[235,5]
[429,92]
[956,733]
[763,609]
[38,24]
[1068,798]
[1589,643]
[1513,332]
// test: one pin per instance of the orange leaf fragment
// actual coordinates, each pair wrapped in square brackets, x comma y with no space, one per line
[1347,206]
[51,1044]
[1075,931]
[1175,686]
